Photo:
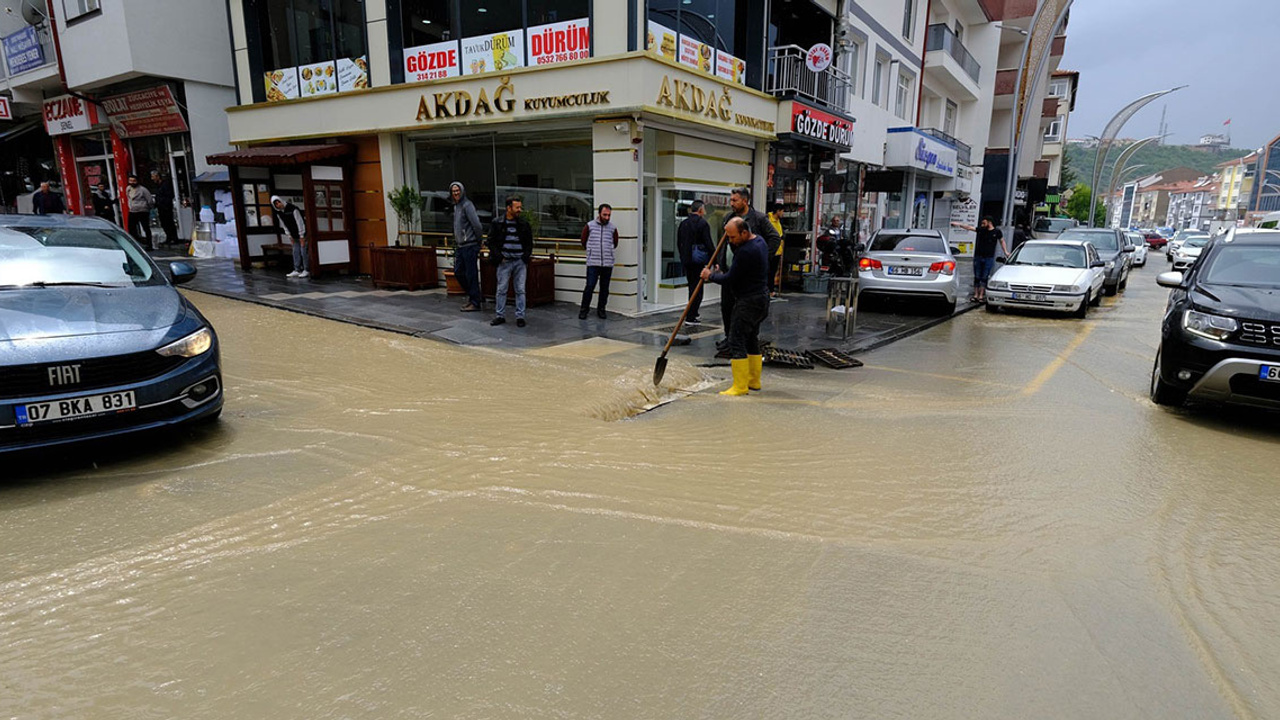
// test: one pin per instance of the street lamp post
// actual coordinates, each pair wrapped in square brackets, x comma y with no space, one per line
[1113,129]
[1124,175]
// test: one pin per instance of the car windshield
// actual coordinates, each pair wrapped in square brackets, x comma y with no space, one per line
[1104,240]
[1196,242]
[40,256]
[1245,265]
[1068,256]
[1045,224]
[908,243]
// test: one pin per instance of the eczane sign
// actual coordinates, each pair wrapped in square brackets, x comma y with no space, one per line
[66,114]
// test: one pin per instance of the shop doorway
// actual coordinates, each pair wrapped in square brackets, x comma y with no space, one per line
[665,284]
[95,164]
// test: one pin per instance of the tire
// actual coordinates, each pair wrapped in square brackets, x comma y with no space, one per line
[1083,312]
[991,308]
[947,308]
[1110,291]
[1124,284]
[1097,299]
[1162,393]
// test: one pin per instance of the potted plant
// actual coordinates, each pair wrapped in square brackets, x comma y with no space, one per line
[404,265]
[408,205]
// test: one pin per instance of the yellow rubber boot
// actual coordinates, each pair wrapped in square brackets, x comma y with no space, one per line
[740,372]
[755,366]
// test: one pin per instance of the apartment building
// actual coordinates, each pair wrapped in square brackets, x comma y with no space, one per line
[1235,187]
[1265,196]
[1058,105]
[1193,204]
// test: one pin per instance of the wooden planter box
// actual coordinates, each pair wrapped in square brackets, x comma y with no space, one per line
[540,285]
[410,268]
[451,284]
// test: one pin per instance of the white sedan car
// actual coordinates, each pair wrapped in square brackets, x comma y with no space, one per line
[1139,248]
[1049,275]
[1187,253]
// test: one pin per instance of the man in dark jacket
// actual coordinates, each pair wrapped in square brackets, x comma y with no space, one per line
[467,233]
[511,241]
[47,202]
[164,206]
[289,218]
[104,206]
[758,223]
[693,242]
[748,281]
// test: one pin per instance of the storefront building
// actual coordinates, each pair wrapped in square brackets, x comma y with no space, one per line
[565,103]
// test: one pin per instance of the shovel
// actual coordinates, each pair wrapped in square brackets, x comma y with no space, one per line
[660,368]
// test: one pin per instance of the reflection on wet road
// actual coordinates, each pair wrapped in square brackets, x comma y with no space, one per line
[989,520]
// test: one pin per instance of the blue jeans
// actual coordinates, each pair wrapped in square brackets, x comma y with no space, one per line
[508,270]
[466,270]
[299,255]
[982,268]
[601,275]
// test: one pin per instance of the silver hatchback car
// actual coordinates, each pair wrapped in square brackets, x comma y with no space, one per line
[911,263]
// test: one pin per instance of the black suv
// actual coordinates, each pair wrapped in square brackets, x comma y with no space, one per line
[1220,340]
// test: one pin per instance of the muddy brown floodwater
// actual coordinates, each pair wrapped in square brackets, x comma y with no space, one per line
[988,521]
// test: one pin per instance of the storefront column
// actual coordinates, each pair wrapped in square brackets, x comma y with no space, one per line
[70,178]
[391,155]
[760,177]
[123,169]
[616,164]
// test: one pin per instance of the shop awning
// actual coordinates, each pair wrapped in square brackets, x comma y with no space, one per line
[281,155]
[213,176]
[9,131]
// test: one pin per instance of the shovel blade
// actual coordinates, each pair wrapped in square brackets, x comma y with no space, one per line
[659,369]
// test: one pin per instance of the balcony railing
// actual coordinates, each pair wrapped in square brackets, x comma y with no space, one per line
[943,38]
[964,153]
[788,76]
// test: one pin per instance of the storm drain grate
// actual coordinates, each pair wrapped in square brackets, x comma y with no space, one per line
[779,357]
[834,359]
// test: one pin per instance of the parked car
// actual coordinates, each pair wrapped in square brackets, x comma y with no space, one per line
[1047,228]
[1154,239]
[94,339]
[911,263]
[1180,237]
[1061,275]
[1220,338]
[1114,250]
[1139,248]
[1190,249]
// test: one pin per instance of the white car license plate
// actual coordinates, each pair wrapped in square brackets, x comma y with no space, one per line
[904,270]
[73,408]
[1030,297]
[1269,372]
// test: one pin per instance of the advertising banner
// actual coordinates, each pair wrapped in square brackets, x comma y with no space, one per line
[661,41]
[560,42]
[66,114]
[281,84]
[153,111]
[318,79]
[493,53]
[353,74]
[432,62]
[22,51]
[731,68]
[697,55]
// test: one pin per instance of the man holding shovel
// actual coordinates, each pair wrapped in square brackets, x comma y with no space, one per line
[748,281]
[759,226]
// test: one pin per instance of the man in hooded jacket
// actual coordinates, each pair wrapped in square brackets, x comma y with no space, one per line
[289,218]
[467,233]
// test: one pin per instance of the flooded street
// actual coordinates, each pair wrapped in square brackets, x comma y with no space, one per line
[989,520]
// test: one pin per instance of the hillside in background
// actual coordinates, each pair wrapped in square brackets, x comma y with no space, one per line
[1156,157]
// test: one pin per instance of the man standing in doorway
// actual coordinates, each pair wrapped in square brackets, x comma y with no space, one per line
[47,202]
[759,225]
[748,279]
[140,201]
[693,242]
[164,206]
[104,206]
[599,239]
[775,257]
[467,233]
[984,254]
[511,243]
[290,219]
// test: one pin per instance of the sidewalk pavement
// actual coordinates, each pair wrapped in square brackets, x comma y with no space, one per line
[796,321]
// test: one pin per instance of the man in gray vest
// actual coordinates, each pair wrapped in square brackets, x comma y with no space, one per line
[599,239]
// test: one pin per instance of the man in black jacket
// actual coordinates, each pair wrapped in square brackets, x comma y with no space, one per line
[693,242]
[165,206]
[748,281]
[758,223]
[511,243]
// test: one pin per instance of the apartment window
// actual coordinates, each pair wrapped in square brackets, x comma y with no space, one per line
[426,22]
[877,81]
[1058,88]
[959,32]
[307,47]
[851,64]
[1054,132]
[76,8]
[909,19]
[949,118]
[902,99]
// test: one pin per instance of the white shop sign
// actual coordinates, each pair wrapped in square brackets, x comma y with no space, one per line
[66,114]
[910,148]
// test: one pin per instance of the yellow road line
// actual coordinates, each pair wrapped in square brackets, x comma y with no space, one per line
[955,378]
[1052,368]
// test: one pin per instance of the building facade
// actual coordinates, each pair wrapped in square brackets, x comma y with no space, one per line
[1235,187]
[1192,205]
[1265,195]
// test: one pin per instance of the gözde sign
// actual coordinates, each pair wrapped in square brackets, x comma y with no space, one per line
[817,126]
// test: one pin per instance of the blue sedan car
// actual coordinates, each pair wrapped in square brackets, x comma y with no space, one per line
[94,339]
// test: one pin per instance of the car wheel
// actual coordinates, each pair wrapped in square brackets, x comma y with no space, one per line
[1097,299]
[1109,291]
[948,307]
[1162,393]
[991,308]
[1124,284]
[1083,311]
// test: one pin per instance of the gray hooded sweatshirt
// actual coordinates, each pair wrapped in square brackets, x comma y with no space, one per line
[466,223]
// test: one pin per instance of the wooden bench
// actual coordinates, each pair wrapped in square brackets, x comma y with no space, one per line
[277,253]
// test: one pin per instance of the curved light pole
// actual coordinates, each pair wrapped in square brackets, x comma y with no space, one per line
[1113,128]
[1125,156]
[1018,123]
[1125,176]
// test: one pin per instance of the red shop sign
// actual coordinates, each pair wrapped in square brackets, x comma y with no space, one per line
[145,112]
[822,127]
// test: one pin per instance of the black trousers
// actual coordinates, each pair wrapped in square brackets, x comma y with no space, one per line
[140,226]
[744,331]
[693,275]
[726,308]
[597,274]
[167,223]
[774,261]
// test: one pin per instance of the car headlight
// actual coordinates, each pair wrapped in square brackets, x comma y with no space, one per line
[1111,264]
[197,343]
[997,285]
[1067,289]
[1214,327]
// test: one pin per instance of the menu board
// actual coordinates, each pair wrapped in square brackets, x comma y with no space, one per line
[432,62]
[697,55]
[661,41]
[560,42]
[318,79]
[493,53]
[353,74]
[282,84]
[731,68]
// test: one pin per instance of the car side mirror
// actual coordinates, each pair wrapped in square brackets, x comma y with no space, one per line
[1169,279]
[1097,264]
[1129,249]
[1000,260]
[181,272]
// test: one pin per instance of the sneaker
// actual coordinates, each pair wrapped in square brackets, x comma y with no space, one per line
[582,314]
[304,275]
[693,321]
[498,320]
[602,314]
[293,274]
[470,307]
[520,322]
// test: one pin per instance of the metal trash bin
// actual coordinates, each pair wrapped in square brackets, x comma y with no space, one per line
[842,306]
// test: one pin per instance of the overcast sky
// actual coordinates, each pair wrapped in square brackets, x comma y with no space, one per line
[1224,50]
